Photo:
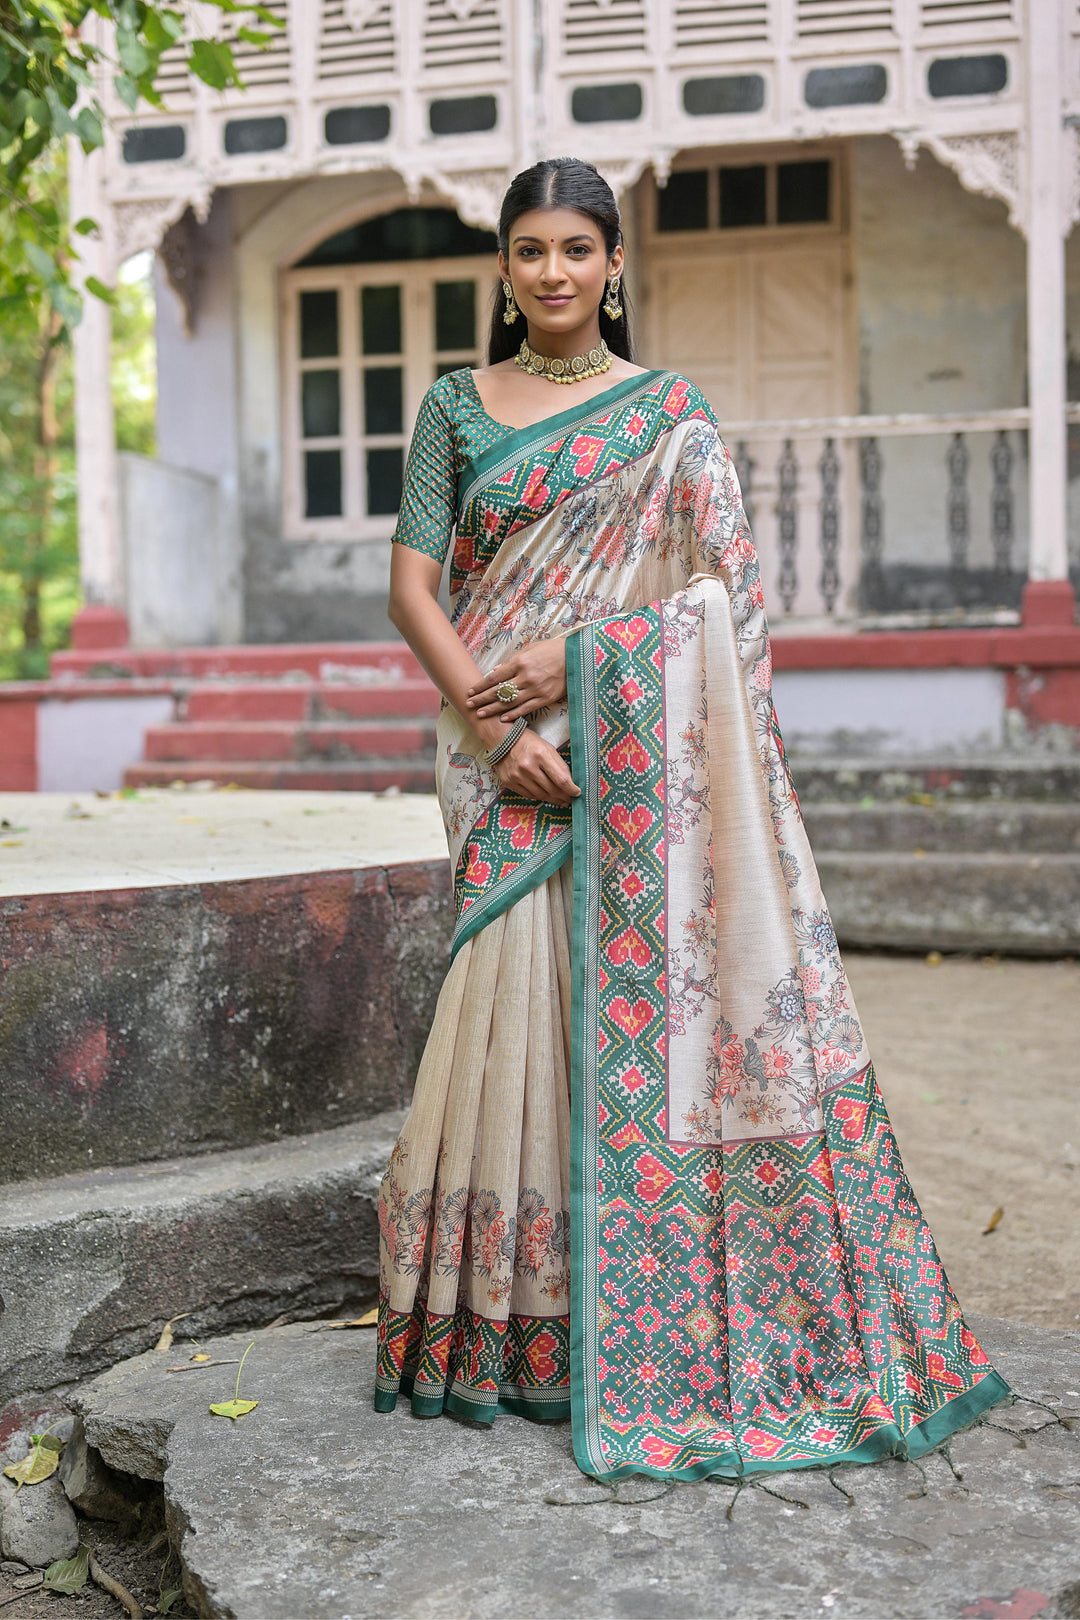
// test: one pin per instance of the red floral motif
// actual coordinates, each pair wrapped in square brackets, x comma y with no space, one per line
[631,1020]
[632,1078]
[587,450]
[630,825]
[520,823]
[629,947]
[629,633]
[628,754]
[655,1178]
[536,492]
[477,871]
[853,1114]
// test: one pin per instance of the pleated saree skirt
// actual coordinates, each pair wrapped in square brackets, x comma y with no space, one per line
[474,1206]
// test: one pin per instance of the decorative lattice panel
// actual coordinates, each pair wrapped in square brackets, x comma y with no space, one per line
[271,64]
[601,28]
[457,34]
[973,13]
[356,41]
[719,22]
[815,18]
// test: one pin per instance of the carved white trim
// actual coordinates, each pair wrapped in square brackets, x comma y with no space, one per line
[358,13]
[477,194]
[622,173]
[143,224]
[463,9]
[988,165]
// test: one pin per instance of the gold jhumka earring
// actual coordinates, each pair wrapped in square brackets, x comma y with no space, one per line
[511,312]
[611,306]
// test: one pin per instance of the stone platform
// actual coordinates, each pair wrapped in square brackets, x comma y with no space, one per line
[315,1505]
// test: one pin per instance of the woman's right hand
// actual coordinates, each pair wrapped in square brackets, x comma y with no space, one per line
[533,769]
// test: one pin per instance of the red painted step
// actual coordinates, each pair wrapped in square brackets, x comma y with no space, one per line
[321,660]
[410,776]
[310,700]
[240,740]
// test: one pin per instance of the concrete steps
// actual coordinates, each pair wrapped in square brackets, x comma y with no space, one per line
[1041,778]
[352,1512]
[90,1260]
[969,855]
[310,700]
[358,716]
[260,740]
[333,776]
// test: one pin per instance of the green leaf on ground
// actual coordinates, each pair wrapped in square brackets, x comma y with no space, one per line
[69,1575]
[167,1599]
[233,1409]
[236,1408]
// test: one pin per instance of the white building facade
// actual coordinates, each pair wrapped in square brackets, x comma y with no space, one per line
[848,220]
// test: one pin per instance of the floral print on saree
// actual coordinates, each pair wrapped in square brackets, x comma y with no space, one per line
[752,1285]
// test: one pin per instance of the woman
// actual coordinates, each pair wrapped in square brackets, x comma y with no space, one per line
[648,1180]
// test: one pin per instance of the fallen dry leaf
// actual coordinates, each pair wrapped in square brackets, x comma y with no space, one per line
[995,1220]
[40,1461]
[166,1339]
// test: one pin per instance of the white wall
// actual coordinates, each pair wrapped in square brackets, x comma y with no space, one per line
[197,411]
[86,744]
[940,294]
[180,586]
[891,711]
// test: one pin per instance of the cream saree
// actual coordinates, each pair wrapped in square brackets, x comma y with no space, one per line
[648,1180]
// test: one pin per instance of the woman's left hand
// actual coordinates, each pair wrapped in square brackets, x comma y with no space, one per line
[539,673]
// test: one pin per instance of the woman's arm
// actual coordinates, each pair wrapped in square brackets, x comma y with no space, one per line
[532,769]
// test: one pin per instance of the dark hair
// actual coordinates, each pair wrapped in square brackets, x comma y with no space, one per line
[560,183]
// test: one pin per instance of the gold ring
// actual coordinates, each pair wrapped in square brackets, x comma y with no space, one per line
[507,692]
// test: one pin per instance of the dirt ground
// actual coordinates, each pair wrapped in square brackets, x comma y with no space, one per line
[979,1063]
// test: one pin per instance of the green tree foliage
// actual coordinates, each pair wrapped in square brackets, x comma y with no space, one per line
[38,550]
[49,72]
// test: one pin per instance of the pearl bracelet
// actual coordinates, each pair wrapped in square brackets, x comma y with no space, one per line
[501,749]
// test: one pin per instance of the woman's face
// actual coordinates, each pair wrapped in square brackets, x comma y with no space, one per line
[558,266]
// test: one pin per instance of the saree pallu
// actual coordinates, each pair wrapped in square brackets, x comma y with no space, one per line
[752,1285]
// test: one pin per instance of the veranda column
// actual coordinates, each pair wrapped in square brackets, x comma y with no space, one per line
[1048,597]
[101,622]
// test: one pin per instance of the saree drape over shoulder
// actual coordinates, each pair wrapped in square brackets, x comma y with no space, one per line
[648,1180]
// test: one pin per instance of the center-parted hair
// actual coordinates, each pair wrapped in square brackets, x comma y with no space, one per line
[560,183]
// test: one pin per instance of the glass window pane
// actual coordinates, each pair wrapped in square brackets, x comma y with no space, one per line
[455,314]
[683,204]
[742,196]
[318,324]
[380,319]
[320,399]
[382,400]
[802,192]
[384,470]
[442,367]
[322,483]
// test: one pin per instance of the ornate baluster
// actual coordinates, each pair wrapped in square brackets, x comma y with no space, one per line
[958,512]
[872,527]
[787,511]
[829,468]
[745,466]
[1001,513]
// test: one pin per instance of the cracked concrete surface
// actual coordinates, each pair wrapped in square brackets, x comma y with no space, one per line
[316,1506]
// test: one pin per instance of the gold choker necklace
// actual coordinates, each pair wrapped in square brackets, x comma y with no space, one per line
[575,369]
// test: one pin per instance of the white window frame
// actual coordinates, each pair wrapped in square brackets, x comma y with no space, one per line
[419,360]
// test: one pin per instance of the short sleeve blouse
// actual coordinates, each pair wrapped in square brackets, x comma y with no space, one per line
[451,428]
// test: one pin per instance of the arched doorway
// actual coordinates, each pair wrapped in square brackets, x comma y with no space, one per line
[371,317]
